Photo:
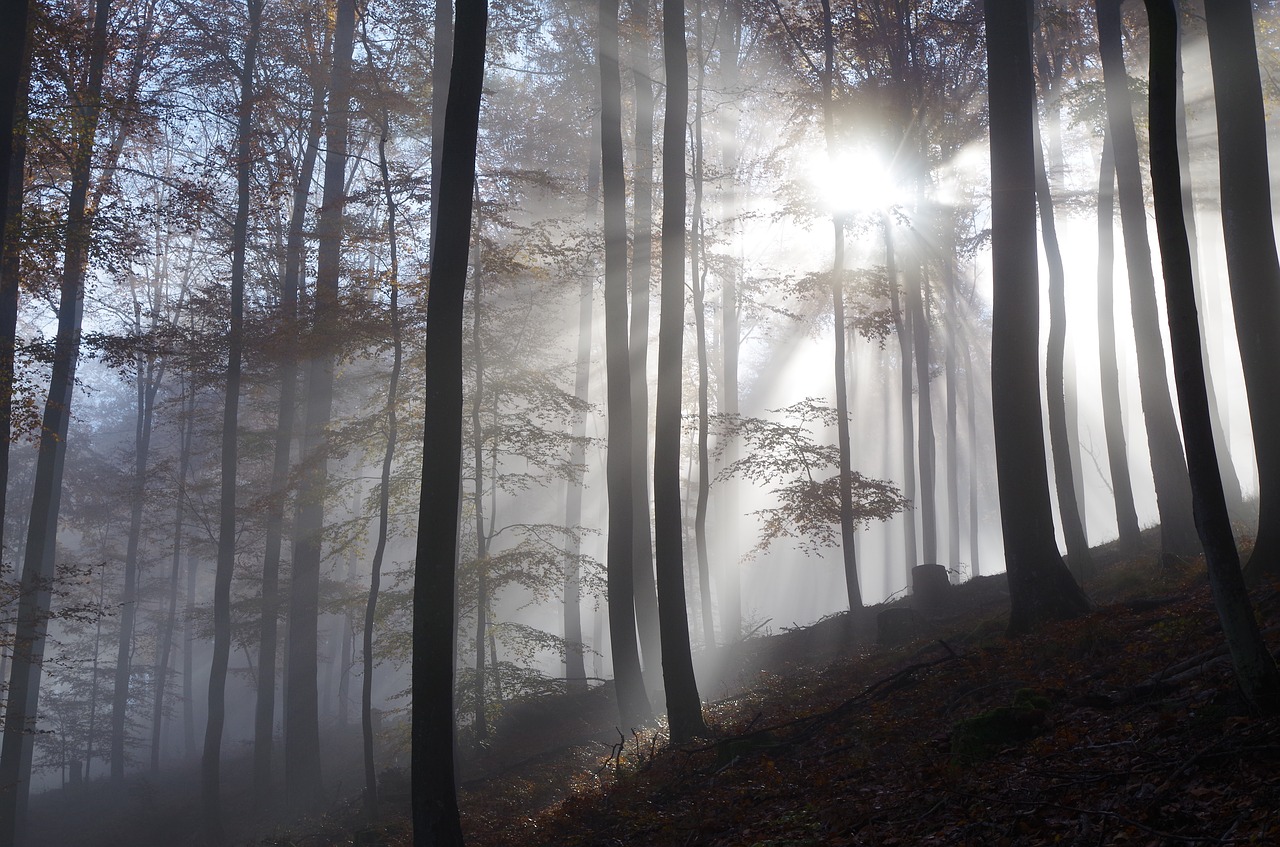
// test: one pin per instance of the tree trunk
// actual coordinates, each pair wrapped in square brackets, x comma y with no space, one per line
[302,729]
[37,569]
[1112,420]
[435,804]
[927,498]
[479,726]
[952,320]
[633,702]
[902,328]
[268,639]
[1252,265]
[575,671]
[186,430]
[1055,388]
[211,760]
[729,579]
[1040,586]
[15,69]
[384,486]
[1168,465]
[684,708]
[646,597]
[1255,668]
[698,278]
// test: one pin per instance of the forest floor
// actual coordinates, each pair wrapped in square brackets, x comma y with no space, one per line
[1120,727]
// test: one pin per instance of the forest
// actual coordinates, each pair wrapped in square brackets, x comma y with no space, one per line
[387,386]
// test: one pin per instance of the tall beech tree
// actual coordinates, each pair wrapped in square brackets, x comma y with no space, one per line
[435,801]
[633,702]
[684,707]
[211,761]
[642,564]
[1108,359]
[1168,465]
[302,723]
[1040,586]
[1255,668]
[34,600]
[1252,264]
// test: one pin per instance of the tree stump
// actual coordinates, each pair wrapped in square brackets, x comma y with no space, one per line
[930,589]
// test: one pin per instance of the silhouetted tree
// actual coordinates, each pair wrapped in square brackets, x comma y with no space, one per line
[1040,586]
[1249,236]
[1255,668]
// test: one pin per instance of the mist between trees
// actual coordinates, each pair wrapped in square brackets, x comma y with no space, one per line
[543,347]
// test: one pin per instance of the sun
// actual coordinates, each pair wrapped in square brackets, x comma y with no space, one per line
[855,181]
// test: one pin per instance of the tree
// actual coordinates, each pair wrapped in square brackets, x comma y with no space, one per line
[302,728]
[1168,465]
[435,804]
[1252,265]
[1040,586]
[210,768]
[1113,423]
[633,703]
[684,707]
[1255,668]
[42,532]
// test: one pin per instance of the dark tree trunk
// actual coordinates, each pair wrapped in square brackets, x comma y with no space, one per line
[646,597]
[684,708]
[211,759]
[384,486]
[165,647]
[1168,465]
[15,67]
[1255,668]
[302,729]
[1112,420]
[42,528]
[1055,387]
[633,702]
[926,500]
[435,804]
[268,639]
[1252,265]
[1040,586]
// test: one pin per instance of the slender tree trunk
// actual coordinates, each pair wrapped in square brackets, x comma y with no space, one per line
[211,760]
[1226,468]
[268,639]
[164,648]
[698,278]
[684,708]
[37,570]
[384,484]
[1168,465]
[953,431]
[902,328]
[575,671]
[728,579]
[975,534]
[646,597]
[1040,586]
[435,805]
[148,378]
[188,664]
[302,729]
[633,702]
[1055,387]
[1255,668]
[1112,420]
[1252,265]
[479,726]
[926,445]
